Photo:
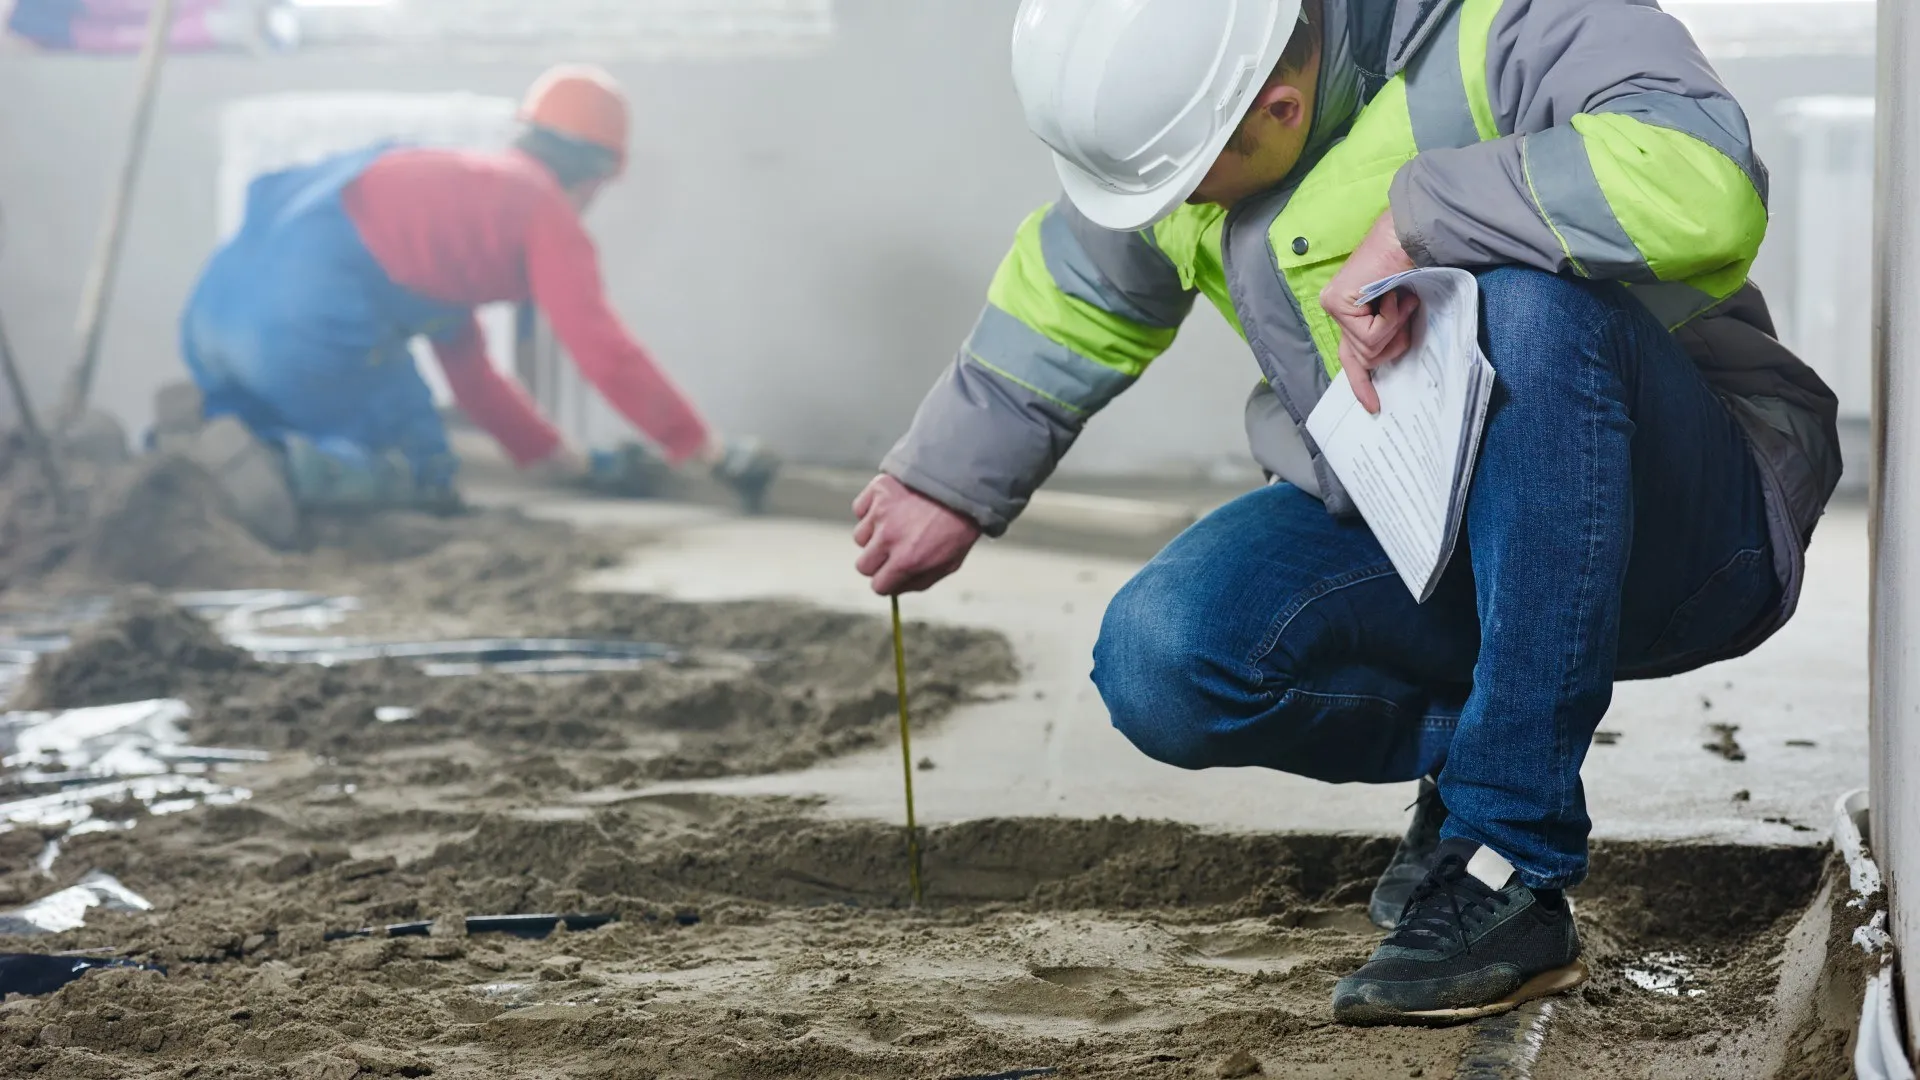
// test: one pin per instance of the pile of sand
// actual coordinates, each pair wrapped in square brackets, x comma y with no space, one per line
[162,520]
[159,520]
[814,684]
[140,652]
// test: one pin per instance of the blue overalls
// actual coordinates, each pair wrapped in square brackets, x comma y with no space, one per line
[296,330]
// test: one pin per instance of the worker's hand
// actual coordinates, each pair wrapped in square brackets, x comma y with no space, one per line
[908,541]
[749,469]
[1371,335]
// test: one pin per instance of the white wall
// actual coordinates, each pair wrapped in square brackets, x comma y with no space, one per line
[1896,497]
[805,236]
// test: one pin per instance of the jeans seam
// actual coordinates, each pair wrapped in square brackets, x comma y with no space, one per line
[1277,629]
[1581,609]
[1320,695]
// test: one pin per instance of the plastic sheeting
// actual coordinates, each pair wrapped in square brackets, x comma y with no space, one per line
[68,908]
[34,974]
[63,763]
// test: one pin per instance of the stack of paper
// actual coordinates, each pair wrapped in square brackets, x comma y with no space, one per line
[1408,467]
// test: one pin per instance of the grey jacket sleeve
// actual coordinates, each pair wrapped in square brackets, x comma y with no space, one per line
[1000,418]
[1531,195]
[981,444]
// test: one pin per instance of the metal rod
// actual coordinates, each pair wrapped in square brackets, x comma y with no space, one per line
[36,435]
[98,292]
[906,755]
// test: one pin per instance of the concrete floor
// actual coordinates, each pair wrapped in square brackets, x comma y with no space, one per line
[1047,748]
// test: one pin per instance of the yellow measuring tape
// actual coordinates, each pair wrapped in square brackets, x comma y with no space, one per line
[906,755]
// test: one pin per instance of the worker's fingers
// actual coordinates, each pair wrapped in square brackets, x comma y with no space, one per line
[1368,335]
[1371,351]
[927,579]
[874,556]
[1374,331]
[1384,338]
[864,501]
[1341,302]
[864,529]
[1360,377]
[1393,307]
[893,579]
[1398,347]
[904,567]
[1405,307]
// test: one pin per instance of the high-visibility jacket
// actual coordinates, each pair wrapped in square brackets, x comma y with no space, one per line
[301,323]
[1582,137]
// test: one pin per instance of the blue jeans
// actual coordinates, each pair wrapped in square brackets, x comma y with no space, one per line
[295,329]
[1616,524]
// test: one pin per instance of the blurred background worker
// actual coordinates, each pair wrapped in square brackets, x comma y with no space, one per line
[298,334]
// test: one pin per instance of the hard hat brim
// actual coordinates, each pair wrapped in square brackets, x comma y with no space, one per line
[1122,211]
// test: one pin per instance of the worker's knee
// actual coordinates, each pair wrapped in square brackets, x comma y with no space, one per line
[1159,668]
[1530,313]
[1543,331]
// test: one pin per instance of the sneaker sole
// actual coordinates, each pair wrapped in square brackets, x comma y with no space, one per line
[1547,984]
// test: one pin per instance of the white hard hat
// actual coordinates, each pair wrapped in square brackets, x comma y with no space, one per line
[1137,98]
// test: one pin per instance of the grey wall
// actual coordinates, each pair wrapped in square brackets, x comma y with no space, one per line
[803,239]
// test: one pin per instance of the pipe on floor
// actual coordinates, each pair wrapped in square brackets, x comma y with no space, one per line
[1505,1047]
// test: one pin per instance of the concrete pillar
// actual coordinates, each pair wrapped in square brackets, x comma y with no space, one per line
[1895,486]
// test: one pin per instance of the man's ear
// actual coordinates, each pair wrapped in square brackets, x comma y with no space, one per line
[1284,102]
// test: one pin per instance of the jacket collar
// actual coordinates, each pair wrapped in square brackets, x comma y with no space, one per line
[1366,42]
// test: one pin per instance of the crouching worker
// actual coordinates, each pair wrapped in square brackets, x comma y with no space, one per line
[298,333]
[1653,464]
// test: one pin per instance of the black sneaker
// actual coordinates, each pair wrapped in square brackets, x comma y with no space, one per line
[1474,942]
[1409,866]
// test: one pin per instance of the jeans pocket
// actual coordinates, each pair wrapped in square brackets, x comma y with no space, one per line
[1731,600]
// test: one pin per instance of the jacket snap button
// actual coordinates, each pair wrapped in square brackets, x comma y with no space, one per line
[1299,245]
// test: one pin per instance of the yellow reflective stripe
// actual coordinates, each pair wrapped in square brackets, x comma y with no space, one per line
[1476,24]
[1024,289]
[1718,122]
[1691,212]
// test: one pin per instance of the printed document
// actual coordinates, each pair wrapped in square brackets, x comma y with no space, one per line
[1408,467]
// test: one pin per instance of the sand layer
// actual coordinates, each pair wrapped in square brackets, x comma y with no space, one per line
[754,939]
[759,940]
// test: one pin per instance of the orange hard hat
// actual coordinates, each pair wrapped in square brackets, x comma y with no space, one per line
[582,102]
